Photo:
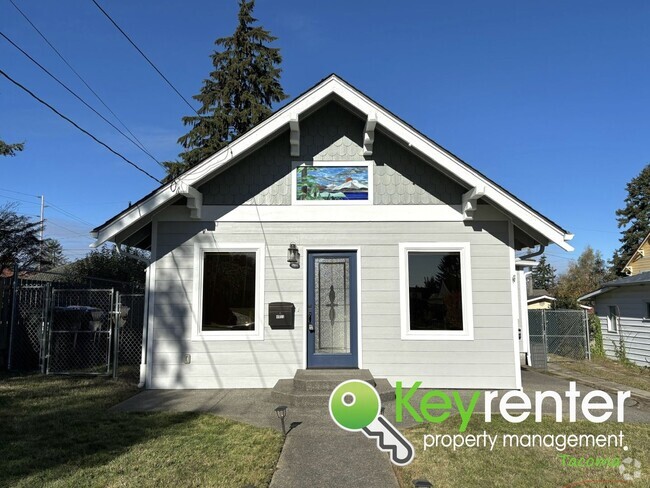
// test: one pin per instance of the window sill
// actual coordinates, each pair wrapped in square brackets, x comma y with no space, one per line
[432,336]
[205,337]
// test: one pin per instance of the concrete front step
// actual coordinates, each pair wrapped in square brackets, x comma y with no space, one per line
[312,388]
[328,379]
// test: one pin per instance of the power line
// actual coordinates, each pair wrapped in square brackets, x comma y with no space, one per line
[49,205]
[78,127]
[145,57]
[77,74]
[69,214]
[20,193]
[12,199]
[597,230]
[43,68]
[49,222]
[66,203]
[561,257]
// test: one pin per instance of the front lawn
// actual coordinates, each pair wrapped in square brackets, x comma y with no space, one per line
[57,431]
[524,467]
[626,374]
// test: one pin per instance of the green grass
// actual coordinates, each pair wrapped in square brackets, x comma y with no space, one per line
[522,467]
[57,431]
[626,374]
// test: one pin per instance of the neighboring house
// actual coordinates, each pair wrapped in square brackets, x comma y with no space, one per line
[58,273]
[623,306]
[540,300]
[640,260]
[397,256]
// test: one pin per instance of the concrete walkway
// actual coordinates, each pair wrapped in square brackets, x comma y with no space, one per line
[316,452]
[319,454]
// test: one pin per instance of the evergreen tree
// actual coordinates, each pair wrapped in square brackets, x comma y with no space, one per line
[52,254]
[543,275]
[584,275]
[19,239]
[10,149]
[635,218]
[237,96]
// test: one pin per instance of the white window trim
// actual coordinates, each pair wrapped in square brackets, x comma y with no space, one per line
[197,300]
[612,325]
[294,182]
[467,334]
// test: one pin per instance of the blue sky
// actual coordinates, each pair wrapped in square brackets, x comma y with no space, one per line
[549,99]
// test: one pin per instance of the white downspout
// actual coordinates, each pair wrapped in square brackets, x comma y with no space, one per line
[145,330]
[525,331]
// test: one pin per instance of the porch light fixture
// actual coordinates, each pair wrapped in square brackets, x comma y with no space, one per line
[281,412]
[293,256]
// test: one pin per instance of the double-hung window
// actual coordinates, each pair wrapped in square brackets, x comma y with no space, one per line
[228,292]
[436,292]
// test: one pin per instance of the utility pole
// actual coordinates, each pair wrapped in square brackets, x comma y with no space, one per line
[40,262]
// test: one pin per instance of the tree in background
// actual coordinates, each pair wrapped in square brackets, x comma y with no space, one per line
[52,254]
[544,275]
[10,149]
[19,239]
[106,263]
[237,96]
[584,275]
[635,218]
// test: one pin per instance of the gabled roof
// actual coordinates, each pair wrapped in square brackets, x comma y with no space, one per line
[636,280]
[541,298]
[636,251]
[139,214]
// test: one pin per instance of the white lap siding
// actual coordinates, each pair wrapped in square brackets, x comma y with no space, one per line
[634,323]
[488,361]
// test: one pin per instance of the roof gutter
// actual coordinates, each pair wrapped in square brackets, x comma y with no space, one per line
[593,294]
[533,254]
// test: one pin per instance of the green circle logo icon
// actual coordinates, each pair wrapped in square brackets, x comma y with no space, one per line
[354,404]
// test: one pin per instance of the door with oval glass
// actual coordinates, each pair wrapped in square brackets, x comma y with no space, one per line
[332,309]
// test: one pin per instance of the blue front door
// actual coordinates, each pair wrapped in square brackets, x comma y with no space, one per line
[332,310]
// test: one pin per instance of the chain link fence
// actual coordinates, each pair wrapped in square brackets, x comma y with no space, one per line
[131,319]
[537,337]
[80,332]
[59,327]
[557,335]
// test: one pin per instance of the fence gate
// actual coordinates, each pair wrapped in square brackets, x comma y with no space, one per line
[28,326]
[81,331]
[558,335]
[131,320]
[537,335]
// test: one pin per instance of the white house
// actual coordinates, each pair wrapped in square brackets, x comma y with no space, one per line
[394,255]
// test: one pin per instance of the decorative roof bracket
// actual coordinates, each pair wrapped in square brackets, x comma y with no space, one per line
[294,137]
[470,202]
[369,134]
[194,199]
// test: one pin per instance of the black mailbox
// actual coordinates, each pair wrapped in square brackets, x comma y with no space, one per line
[281,315]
